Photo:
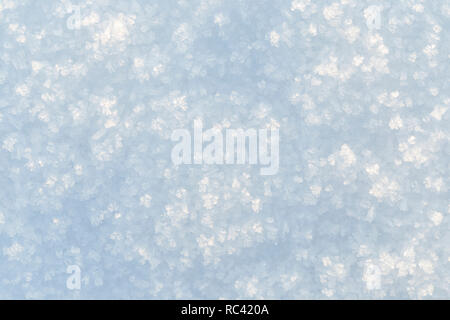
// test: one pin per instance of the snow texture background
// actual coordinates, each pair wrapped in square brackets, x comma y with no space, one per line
[360,205]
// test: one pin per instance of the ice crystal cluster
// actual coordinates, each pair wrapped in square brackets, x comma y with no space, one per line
[91,91]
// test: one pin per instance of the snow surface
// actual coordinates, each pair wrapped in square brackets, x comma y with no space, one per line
[91,91]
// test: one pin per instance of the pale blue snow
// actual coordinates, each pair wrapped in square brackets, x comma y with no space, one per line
[91,91]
